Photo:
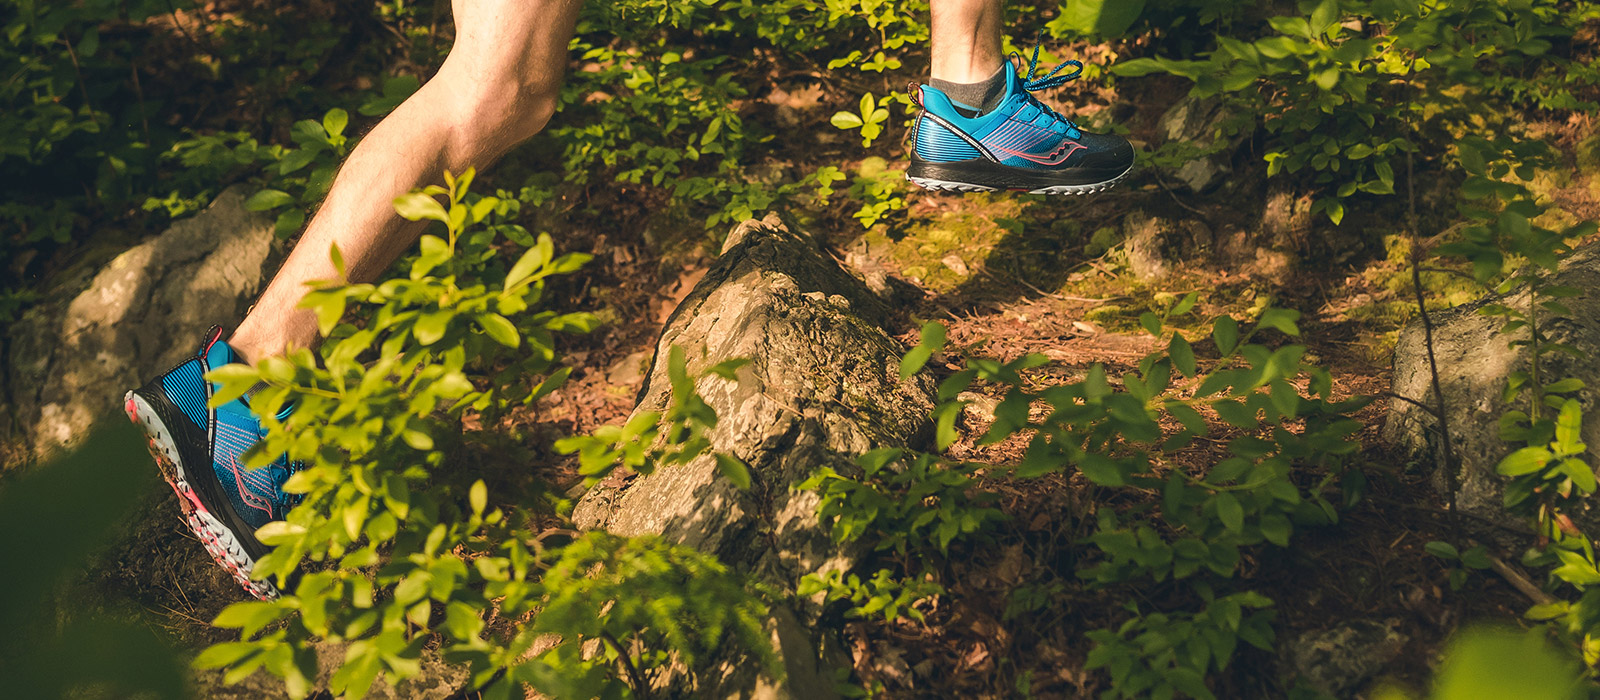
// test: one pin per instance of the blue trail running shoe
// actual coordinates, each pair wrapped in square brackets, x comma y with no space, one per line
[1019,145]
[199,452]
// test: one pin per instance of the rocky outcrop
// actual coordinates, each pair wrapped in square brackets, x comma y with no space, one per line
[1156,244]
[1474,361]
[70,359]
[822,386]
[1339,660]
[1200,122]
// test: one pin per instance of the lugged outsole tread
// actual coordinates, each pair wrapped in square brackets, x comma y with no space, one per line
[947,186]
[219,541]
[951,186]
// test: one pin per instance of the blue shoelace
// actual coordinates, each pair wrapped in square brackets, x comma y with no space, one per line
[1047,81]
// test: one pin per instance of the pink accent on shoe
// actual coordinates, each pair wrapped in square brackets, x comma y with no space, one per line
[1055,157]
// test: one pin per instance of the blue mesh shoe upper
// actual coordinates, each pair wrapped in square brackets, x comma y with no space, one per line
[255,494]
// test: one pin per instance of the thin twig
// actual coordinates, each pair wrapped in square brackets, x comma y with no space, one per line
[1516,578]
[83,85]
[1063,297]
[1456,273]
[1447,451]
[138,90]
[1103,269]
[1516,529]
[1161,183]
[640,688]
[176,22]
[1409,400]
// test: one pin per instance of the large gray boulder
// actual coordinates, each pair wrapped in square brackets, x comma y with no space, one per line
[822,387]
[71,358]
[1200,122]
[1474,361]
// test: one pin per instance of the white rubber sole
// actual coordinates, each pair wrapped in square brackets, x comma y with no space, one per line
[219,541]
[951,186]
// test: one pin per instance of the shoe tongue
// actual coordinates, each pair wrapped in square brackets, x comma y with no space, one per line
[219,353]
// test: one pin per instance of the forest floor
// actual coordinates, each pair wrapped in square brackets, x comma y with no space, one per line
[1026,274]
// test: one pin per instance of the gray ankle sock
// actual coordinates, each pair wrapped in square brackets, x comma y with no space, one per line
[981,96]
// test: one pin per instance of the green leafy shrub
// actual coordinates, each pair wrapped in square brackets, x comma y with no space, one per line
[71,120]
[393,547]
[667,116]
[1287,451]
[1344,87]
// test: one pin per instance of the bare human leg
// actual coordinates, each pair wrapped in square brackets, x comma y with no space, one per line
[966,39]
[498,86]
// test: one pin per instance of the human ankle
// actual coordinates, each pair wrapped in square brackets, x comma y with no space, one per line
[982,95]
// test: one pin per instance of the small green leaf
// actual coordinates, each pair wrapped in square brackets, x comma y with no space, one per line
[417,439]
[1186,304]
[289,221]
[1524,461]
[1182,355]
[225,654]
[355,515]
[933,336]
[89,44]
[1098,18]
[430,327]
[335,121]
[913,361]
[1101,470]
[1442,550]
[267,199]
[1281,319]
[478,496]
[1151,323]
[1189,682]
[1276,528]
[1569,426]
[1225,331]
[1580,472]
[1230,512]
[1324,16]
[416,206]
[1326,79]
[337,258]
[483,207]
[944,432]
[734,469]
[728,369]
[1476,558]
[236,379]
[1548,611]
[1235,413]
[532,260]
[296,159]
[499,328]
[846,121]
[279,532]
